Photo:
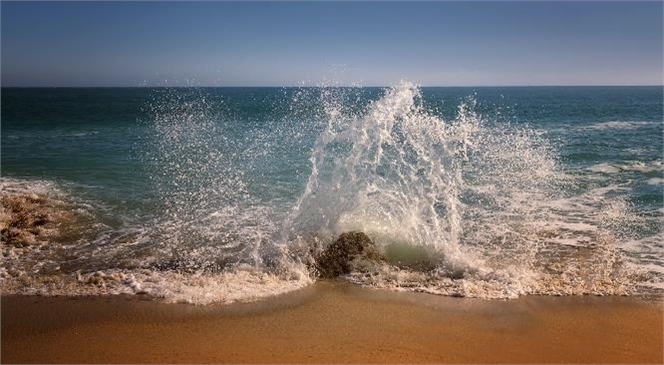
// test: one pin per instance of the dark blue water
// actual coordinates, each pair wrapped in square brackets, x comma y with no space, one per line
[93,136]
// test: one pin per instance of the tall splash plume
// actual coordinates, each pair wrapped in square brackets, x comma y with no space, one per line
[388,173]
[470,192]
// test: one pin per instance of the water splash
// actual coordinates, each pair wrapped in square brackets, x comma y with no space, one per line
[465,206]
[401,174]
[472,193]
[209,219]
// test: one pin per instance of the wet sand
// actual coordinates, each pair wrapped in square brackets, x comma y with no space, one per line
[333,322]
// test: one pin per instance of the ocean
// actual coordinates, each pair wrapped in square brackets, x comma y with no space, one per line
[213,195]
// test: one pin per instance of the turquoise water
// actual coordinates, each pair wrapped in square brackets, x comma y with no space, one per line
[205,180]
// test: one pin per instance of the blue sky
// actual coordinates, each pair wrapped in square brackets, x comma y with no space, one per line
[367,43]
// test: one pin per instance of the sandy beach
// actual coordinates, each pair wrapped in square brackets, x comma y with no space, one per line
[333,322]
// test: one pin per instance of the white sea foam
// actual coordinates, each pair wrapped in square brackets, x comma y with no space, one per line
[604,168]
[20,186]
[617,125]
[637,150]
[655,181]
[629,166]
[238,285]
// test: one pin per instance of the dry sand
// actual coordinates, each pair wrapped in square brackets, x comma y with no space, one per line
[334,322]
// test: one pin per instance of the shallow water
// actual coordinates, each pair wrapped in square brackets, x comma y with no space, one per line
[221,194]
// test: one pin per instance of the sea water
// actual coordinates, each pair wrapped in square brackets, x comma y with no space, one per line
[208,195]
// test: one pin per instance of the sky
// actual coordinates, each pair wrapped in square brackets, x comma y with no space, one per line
[331,43]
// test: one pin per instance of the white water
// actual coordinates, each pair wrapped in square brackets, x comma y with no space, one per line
[487,202]
[482,198]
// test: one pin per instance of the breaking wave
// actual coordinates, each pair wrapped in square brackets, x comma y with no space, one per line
[463,207]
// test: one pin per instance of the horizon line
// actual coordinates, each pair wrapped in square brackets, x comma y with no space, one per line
[299,86]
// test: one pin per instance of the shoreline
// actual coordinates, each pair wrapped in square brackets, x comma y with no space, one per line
[334,322]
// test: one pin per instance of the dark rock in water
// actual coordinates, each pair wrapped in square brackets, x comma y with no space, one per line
[24,218]
[337,259]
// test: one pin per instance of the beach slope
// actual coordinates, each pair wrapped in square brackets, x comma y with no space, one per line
[333,322]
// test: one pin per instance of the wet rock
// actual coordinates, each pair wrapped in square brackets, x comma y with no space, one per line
[339,258]
[28,219]
[22,218]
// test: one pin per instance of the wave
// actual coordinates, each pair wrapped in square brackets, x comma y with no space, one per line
[655,181]
[53,135]
[620,125]
[488,203]
[629,166]
[240,284]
